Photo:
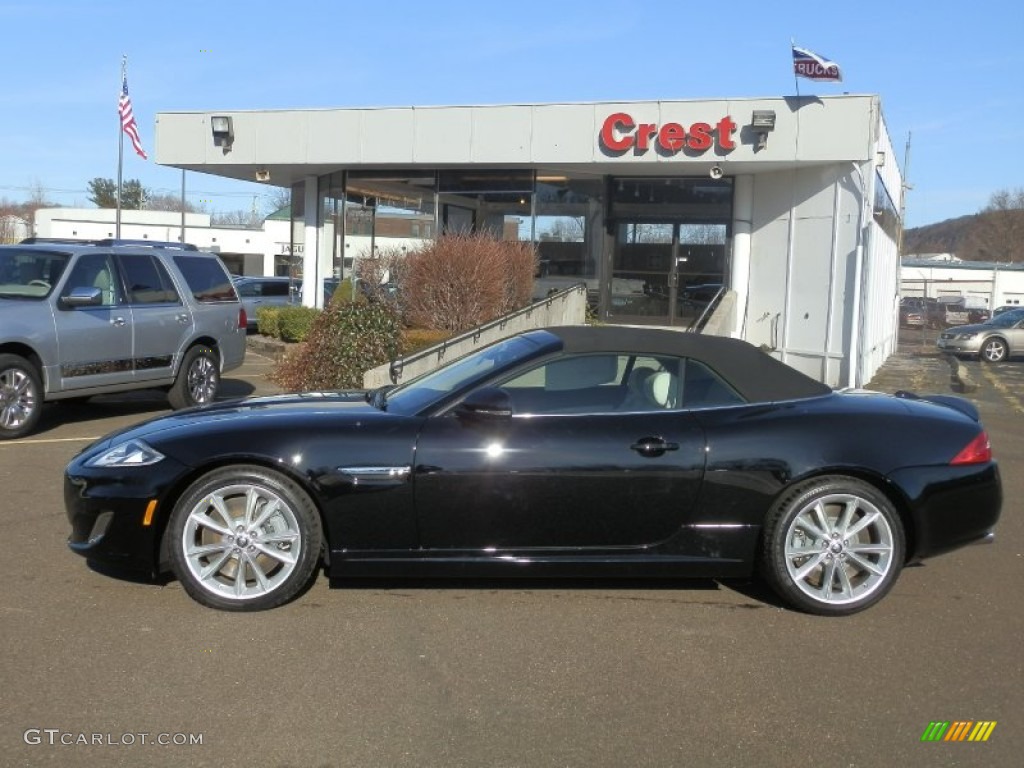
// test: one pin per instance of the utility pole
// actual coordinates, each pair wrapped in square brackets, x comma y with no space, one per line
[905,187]
[183,207]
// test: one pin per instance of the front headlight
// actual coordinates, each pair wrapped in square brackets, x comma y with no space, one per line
[134,453]
[965,336]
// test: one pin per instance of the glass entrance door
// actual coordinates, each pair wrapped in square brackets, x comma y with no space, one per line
[643,275]
[666,273]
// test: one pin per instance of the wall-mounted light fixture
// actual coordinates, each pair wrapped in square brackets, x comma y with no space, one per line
[262,174]
[763,122]
[223,131]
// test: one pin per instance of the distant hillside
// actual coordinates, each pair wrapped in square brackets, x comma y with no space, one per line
[987,236]
[947,236]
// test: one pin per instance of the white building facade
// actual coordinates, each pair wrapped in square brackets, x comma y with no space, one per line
[981,284]
[788,204]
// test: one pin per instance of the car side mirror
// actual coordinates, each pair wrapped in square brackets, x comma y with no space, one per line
[486,404]
[82,297]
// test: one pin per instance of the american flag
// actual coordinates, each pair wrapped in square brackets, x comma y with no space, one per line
[128,125]
[814,67]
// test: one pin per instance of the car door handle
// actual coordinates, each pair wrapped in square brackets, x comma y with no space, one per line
[183,319]
[118,321]
[653,446]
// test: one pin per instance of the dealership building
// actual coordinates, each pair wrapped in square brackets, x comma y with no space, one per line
[782,212]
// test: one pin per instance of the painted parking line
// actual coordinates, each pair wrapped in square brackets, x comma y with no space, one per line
[48,441]
[1009,393]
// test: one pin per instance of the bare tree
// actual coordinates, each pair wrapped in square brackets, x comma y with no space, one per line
[461,280]
[379,274]
[239,218]
[566,229]
[169,202]
[13,225]
[997,233]
[278,198]
[20,217]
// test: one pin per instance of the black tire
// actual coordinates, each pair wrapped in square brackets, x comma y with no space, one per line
[993,350]
[811,559]
[198,379]
[238,564]
[21,397]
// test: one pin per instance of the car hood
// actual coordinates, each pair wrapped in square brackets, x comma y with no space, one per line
[290,408]
[973,328]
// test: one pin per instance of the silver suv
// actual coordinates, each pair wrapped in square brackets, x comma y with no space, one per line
[78,320]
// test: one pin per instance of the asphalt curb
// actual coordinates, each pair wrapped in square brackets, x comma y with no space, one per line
[266,346]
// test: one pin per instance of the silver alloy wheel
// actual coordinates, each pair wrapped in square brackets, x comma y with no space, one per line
[993,350]
[839,549]
[202,380]
[18,398]
[241,541]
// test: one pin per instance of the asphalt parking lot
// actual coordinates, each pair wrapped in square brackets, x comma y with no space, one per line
[404,673]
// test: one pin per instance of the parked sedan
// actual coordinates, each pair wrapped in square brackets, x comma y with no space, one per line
[576,451]
[256,292]
[914,313]
[992,341]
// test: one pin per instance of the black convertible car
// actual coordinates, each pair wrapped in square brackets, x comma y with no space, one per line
[575,451]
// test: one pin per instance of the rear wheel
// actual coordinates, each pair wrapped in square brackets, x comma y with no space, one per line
[833,546]
[21,397]
[993,350]
[198,379]
[244,538]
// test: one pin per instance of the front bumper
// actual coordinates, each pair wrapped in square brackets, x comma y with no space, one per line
[107,510]
[959,346]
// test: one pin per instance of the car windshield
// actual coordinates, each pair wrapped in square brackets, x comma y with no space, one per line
[431,387]
[29,273]
[1007,319]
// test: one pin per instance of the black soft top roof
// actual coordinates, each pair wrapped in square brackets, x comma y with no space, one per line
[756,375]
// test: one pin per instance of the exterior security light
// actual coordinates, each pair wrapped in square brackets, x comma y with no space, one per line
[762,121]
[223,131]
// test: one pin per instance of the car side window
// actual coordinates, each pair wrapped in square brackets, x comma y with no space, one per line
[207,278]
[703,388]
[95,270]
[274,288]
[577,384]
[147,280]
[596,383]
[247,290]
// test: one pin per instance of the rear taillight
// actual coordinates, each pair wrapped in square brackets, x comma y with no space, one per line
[978,451]
[243,319]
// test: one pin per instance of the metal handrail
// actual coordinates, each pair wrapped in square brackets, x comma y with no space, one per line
[395,370]
[697,325]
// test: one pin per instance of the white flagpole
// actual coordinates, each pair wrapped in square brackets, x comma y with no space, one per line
[796,80]
[120,148]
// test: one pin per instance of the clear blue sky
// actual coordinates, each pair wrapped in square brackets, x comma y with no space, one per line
[949,72]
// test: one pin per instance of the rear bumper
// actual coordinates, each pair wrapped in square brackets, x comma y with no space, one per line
[232,350]
[950,507]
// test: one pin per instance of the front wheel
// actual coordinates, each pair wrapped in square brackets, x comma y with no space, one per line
[21,397]
[993,350]
[833,546]
[244,538]
[198,379]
